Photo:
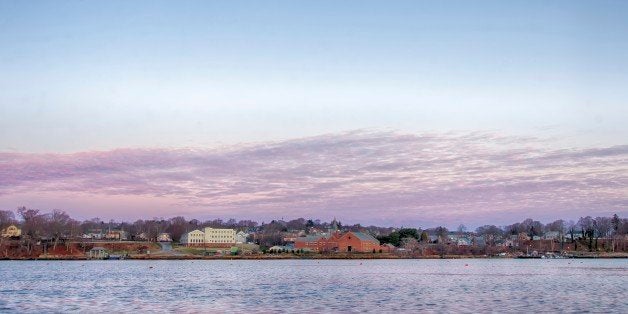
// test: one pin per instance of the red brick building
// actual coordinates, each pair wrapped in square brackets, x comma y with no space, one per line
[357,242]
[337,242]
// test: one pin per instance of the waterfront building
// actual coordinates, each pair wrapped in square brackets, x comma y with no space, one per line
[241,237]
[337,242]
[312,242]
[221,236]
[11,231]
[98,252]
[357,242]
[193,238]
[209,237]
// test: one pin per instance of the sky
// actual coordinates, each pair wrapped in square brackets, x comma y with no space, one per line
[391,113]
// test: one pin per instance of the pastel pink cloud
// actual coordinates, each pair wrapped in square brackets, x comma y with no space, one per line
[366,177]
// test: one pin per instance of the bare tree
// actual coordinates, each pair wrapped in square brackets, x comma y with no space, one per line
[32,226]
[490,232]
[603,227]
[7,218]
[177,226]
[57,224]
[154,227]
[616,222]
[442,233]
[588,230]
[411,245]
[461,230]
[296,224]
[33,221]
[571,228]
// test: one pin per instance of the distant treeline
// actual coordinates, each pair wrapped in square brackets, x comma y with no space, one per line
[585,227]
[58,224]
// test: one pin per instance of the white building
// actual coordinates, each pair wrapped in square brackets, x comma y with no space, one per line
[11,231]
[209,236]
[220,235]
[195,237]
[164,237]
[241,237]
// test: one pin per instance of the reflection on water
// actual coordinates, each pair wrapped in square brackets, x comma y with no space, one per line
[315,286]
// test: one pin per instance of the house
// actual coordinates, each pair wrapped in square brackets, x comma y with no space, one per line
[94,234]
[312,242]
[551,235]
[348,242]
[576,235]
[316,230]
[141,237]
[116,235]
[281,248]
[241,237]
[507,243]
[98,252]
[209,236]
[11,231]
[164,237]
[291,236]
[523,237]
[463,242]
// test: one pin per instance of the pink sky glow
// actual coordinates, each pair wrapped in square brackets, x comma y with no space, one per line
[384,178]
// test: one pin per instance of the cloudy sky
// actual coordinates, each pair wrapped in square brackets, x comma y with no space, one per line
[391,113]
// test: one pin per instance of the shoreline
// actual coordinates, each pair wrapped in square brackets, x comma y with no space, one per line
[279,257]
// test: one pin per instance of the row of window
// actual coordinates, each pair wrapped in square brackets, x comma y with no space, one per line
[210,241]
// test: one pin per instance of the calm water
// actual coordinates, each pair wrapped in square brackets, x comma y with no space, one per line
[315,286]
